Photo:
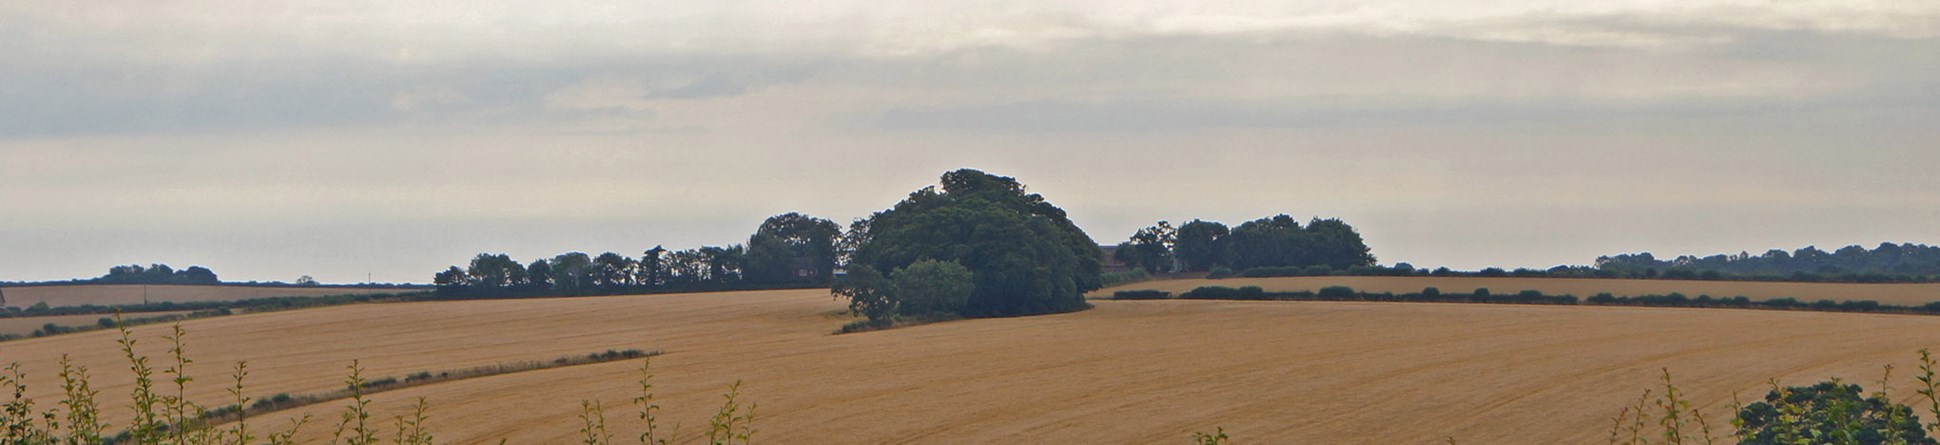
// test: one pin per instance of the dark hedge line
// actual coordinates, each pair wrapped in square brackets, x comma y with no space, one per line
[1433,295]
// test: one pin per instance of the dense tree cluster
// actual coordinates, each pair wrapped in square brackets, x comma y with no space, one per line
[1273,242]
[157,274]
[787,249]
[1022,254]
[1851,263]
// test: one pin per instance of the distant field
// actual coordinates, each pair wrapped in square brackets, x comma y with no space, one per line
[27,325]
[1897,294]
[107,294]
[1139,372]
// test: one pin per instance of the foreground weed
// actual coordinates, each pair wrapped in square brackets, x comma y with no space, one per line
[411,431]
[19,412]
[592,419]
[1929,386]
[355,417]
[1218,437]
[83,413]
[731,424]
[649,410]
[240,431]
[147,424]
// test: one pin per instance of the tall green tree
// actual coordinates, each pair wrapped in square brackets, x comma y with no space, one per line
[1200,245]
[495,270]
[612,269]
[1149,248]
[1025,254]
[571,270]
[539,273]
[786,239]
[1335,244]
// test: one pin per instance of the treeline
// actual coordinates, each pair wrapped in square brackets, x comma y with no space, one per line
[162,274]
[158,274]
[1273,242]
[787,250]
[1484,295]
[1888,262]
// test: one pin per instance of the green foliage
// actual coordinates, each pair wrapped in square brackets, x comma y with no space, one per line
[1149,249]
[353,427]
[1828,412]
[592,419]
[1121,278]
[1280,241]
[932,287]
[1141,295]
[1336,292]
[870,294]
[783,240]
[1200,245]
[1217,437]
[1026,255]
[732,423]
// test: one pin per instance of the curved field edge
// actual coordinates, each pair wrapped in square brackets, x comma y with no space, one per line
[1903,294]
[1124,372]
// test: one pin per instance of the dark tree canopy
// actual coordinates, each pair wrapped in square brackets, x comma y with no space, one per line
[1150,248]
[1025,254]
[158,274]
[1886,260]
[1200,244]
[1277,241]
[788,239]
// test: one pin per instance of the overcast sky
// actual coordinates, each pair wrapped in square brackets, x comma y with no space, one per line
[268,139]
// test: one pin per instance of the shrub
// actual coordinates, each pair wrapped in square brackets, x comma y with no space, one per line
[1317,271]
[1220,272]
[1336,292]
[1530,294]
[932,287]
[1251,293]
[1603,298]
[1482,292]
[1835,410]
[1122,278]
[1431,292]
[1211,293]
[1141,295]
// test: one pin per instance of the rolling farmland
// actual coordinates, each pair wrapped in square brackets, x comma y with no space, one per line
[1896,294]
[1124,372]
[111,294]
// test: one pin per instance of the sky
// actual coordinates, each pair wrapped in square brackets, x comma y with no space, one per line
[353,139]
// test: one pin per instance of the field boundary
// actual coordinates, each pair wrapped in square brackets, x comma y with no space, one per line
[1530,297]
[285,401]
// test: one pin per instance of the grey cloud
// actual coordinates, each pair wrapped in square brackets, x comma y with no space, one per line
[51,100]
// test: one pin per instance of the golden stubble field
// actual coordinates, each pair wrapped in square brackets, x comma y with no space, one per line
[1125,372]
[1913,294]
[109,294]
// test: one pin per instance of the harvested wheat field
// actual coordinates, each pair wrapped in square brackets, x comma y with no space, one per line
[1913,294]
[111,294]
[1124,372]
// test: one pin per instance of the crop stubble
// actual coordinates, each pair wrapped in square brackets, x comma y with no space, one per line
[1125,372]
